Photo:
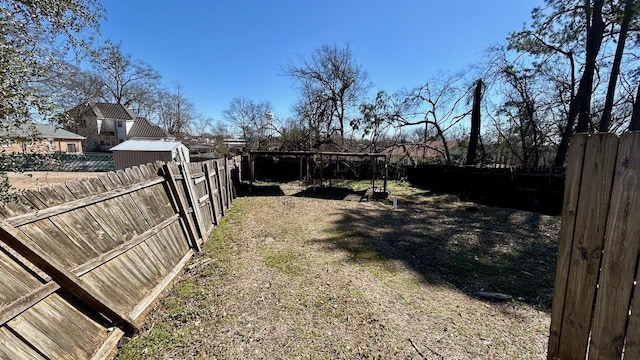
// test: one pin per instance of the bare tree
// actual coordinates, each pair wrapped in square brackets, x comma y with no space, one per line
[439,107]
[330,83]
[580,31]
[431,109]
[177,112]
[250,118]
[132,83]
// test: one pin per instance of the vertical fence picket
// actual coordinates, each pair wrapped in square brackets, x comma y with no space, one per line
[622,243]
[569,211]
[181,206]
[593,206]
[193,200]
[212,193]
[221,187]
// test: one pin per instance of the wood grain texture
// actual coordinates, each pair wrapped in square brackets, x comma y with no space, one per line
[569,211]
[59,273]
[622,242]
[181,205]
[111,243]
[15,348]
[593,206]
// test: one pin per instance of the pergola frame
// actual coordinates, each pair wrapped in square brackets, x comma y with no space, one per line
[313,154]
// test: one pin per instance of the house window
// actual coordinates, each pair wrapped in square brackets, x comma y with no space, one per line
[119,124]
[120,141]
[71,148]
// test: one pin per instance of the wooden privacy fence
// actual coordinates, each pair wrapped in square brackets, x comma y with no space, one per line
[82,263]
[596,303]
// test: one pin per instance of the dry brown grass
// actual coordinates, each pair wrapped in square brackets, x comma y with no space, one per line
[37,179]
[293,276]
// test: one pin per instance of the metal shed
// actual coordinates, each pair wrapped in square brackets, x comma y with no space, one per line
[136,152]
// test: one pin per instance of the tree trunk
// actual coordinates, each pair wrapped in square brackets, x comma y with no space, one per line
[595,33]
[580,106]
[475,125]
[634,125]
[605,120]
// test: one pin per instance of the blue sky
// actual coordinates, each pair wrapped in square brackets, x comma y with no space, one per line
[221,49]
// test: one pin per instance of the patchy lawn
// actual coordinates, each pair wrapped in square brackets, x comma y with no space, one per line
[314,275]
[37,179]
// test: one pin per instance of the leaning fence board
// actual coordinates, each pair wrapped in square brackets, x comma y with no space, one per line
[58,273]
[192,200]
[111,244]
[15,348]
[144,306]
[588,237]
[219,187]
[596,301]
[632,345]
[620,254]
[569,211]
[181,207]
[212,189]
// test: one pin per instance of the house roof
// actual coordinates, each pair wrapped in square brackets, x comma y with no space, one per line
[147,145]
[37,131]
[143,128]
[103,111]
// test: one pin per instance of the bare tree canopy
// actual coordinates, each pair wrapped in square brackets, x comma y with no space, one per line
[331,83]
[127,81]
[583,34]
[176,112]
[250,119]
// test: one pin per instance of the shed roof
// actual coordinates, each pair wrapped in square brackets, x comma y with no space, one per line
[147,145]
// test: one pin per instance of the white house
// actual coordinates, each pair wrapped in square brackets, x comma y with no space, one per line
[103,124]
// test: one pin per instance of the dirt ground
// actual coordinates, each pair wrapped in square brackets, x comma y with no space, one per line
[294,274]
[36,179]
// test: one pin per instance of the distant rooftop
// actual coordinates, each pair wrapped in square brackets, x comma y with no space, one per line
[143,128]
[103,111]
[37,130]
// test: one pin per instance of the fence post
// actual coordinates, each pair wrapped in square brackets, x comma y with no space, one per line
[221,193]
[181,207]
[212,193]
[193,199]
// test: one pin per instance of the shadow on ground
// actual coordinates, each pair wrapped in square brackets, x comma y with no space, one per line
[332,193]
[260,190]
[474,248]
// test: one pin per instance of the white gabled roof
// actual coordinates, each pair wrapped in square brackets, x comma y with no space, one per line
[147,145]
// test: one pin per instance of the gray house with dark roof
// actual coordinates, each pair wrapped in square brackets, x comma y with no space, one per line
[103,124]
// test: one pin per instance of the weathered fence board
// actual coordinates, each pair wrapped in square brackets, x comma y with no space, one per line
[598,252]
[593,205]
[112,243]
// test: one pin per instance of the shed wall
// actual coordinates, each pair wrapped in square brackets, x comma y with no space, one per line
[124,159]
